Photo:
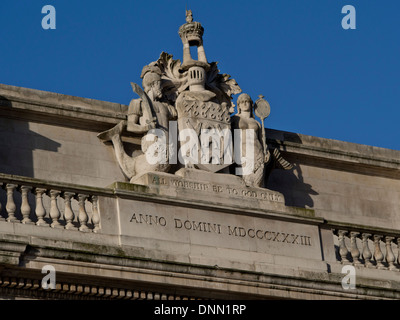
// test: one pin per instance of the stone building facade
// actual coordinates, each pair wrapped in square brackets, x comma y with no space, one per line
[186,237]
[77,196]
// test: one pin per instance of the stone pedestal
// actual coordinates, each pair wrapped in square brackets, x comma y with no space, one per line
[213,219]
[213,188]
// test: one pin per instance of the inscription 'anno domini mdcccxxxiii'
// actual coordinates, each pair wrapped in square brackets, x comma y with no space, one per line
[209,227]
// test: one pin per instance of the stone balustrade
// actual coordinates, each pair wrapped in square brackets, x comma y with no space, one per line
[36,202]
[368,248]
[77,291]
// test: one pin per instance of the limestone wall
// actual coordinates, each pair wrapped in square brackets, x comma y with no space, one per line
[341,181]
[53,137]
[171,230]
[56,153]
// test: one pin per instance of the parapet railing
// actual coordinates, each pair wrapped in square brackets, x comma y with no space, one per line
[75,207]
[353,245]
[42,203]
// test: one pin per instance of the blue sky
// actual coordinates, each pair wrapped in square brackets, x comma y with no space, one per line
[319,79]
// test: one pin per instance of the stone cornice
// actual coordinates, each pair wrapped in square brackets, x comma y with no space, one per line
[26,248]
[334,149]
[54,108]
[123,275]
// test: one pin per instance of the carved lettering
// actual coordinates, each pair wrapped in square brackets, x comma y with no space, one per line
[190,185]
[265,235]
[178,223]
[242,232]
[232,191]
[249,193]
[213,227]
[198,226]
[159,180]
[148,219]
[276,236]
[218,189]
[270,196]
[253,233]
[290,238]
[234,231]
[285,237]
[134,218]
[231,232]
[260,234]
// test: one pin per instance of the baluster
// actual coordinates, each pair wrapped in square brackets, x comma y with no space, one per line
[25,207]
[95,214]
[10,206]
[355,253]
[68,212]
[40,210]
[1,218]
[398,251]
[378,255]
[343,252]
[54,211]
[390,259]
[82,216]
[366,253]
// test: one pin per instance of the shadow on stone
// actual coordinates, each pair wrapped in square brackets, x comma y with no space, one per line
[17,144]
[29,254]
[290,182]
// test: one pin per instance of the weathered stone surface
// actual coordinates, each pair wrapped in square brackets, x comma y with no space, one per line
[179,230]
[223,238]
[55,153]
[167,240]
[176,230]
[340,180]
[213,188]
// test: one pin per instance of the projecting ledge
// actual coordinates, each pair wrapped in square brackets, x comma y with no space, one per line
[213,192]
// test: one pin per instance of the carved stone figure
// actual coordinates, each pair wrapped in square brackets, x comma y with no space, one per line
[151,110]
[147,113]
[252,163]
[199,97]
[263,160]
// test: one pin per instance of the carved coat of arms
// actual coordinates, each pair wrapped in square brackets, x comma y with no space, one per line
[185,114]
